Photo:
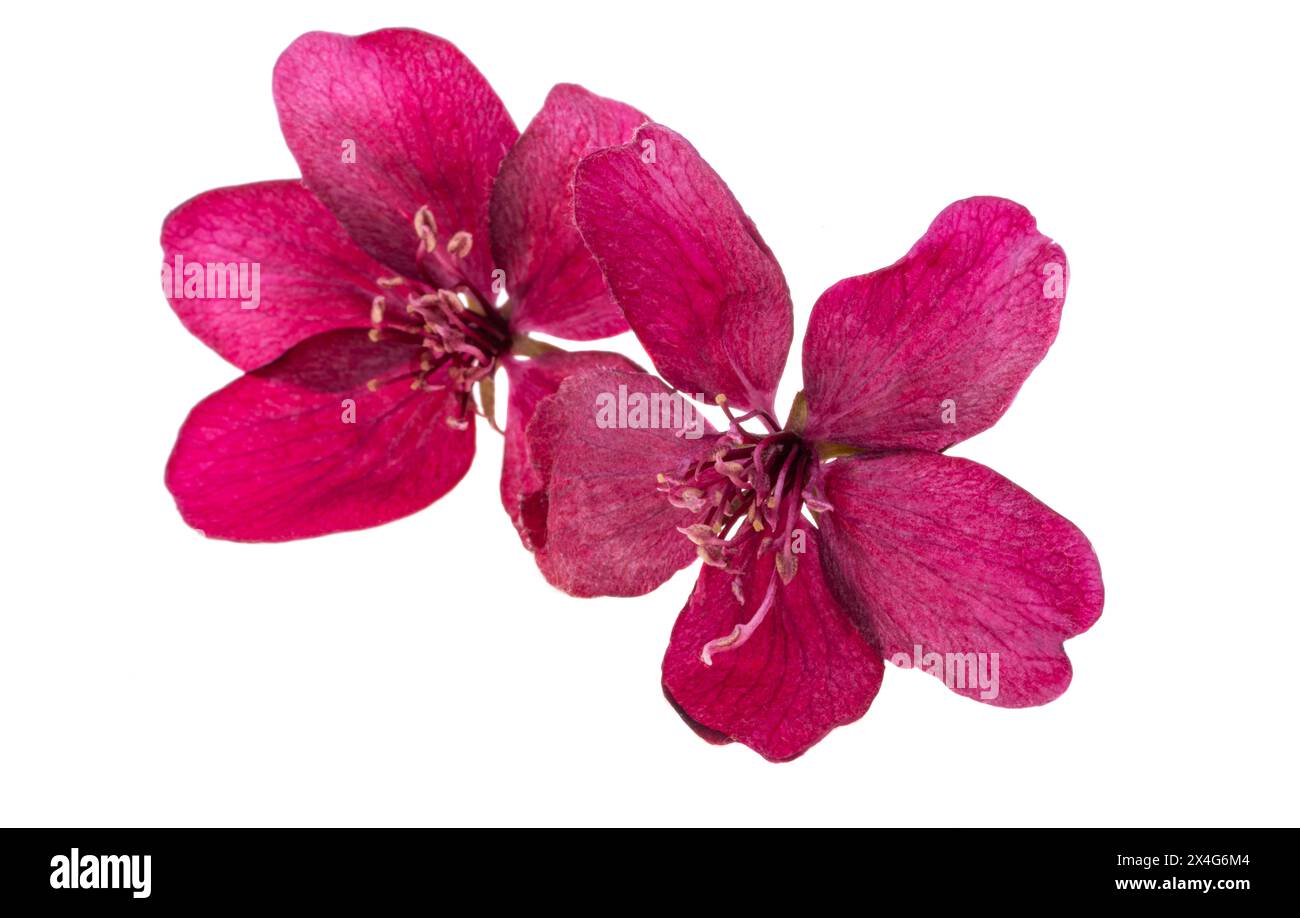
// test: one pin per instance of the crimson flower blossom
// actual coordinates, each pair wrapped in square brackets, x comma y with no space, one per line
[377,313]
[845,535]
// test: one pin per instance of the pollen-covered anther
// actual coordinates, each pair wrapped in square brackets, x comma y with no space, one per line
[373,334]
[691,499]
[787,565]
[377,310]
[460,244]
[426,227]
[389,282]
[372,385]
[699,533]
[733,471]
[714,555]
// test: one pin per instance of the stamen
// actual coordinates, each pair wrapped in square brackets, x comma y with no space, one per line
[460,244]
[787,565]
[691,499]
[699,533]
[733,471]
[426,228]
[377,310]
[741,633]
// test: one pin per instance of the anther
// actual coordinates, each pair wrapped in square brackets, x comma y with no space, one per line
[460,243]
[426,228]
[377,310]
[787,565]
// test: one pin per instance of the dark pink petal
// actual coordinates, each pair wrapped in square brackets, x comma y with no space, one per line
[945,554]
[522,488]
[553,281]
[932,349]
[609,531]
[273,455]
[804,670]
[698,285]
[708,734]
[309,276]
[428,130]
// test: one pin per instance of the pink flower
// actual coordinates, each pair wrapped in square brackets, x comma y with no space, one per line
[374,314]
[908,554]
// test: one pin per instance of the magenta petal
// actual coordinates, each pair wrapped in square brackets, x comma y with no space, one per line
[522,487]
[427,129]
[555,284]
[945,555]
[932,349]
[804,670]
[698,285]
[609,531]
[303,447]
[310,277]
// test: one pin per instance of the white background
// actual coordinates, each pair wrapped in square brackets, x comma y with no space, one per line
[423,672]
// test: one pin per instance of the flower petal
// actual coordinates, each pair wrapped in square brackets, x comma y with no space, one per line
[427,129]
[803,671]
[698,285]
[932,349]
[609,531]
[555,284]
[945,554]
[302,447]
[522,488]
[310,277]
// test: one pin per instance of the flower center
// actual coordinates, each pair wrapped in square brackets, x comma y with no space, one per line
[751,489]
[463,334]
